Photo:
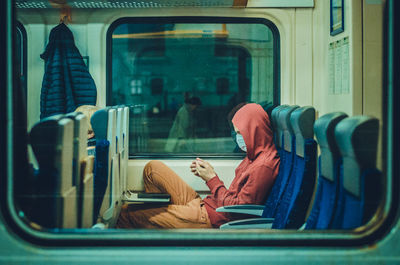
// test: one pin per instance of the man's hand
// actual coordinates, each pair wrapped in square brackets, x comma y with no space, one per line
[202,169]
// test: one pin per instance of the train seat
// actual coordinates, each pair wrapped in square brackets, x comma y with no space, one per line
[52,144]
[357,139]
[125,147]
[101,178]
[282,117]
[112,125]
[119,144]
[278,139]
[79,143]
[286,187]
[104,126]
[83,179]
[328,183]
[286,144]
[99,122]
[112,213]
[293,204]
[117,165]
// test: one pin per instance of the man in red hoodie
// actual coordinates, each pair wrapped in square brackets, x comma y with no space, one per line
[253,180]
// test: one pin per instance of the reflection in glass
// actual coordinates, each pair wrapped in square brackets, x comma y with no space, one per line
[158,68]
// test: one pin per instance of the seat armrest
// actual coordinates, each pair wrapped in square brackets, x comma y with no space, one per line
[243,209]
[254,223]
[132,197]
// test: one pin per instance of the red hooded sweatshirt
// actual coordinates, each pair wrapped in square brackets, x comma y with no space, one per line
[256,174]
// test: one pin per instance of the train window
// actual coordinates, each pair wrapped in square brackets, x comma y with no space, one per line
[178,106]
[181,77]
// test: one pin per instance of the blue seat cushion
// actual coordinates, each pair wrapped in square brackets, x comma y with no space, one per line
[324,203]
[358,210]
[337,219]
[297,196]
[279,185]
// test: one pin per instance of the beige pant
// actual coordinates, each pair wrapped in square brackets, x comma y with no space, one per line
[186,210]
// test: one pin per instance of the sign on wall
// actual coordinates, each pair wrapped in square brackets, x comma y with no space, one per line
[339,67]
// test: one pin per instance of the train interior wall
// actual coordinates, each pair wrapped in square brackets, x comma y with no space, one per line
[308,66]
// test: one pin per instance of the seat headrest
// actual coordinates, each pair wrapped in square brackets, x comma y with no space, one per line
[73,115]
[357,139]
[51,141]
[274,115]
[325,132]
[80,122]
[268,107]
[44,138]
[99,122]
[302,121]
[284,122]
[80,132]
[276,125]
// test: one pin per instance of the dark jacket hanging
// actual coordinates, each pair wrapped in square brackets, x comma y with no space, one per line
[67,83]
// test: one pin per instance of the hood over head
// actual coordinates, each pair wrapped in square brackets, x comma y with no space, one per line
[254,125]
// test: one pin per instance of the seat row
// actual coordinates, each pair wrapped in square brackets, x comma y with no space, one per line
[74,189]
[111,129]
[347,178]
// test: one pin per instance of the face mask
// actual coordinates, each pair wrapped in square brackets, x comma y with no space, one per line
[240,142]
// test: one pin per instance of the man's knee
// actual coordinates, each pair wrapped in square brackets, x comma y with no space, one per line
[150,167]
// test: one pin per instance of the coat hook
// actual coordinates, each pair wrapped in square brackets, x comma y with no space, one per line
[63,19]
[65,14]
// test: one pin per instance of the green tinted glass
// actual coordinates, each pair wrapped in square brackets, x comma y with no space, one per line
[183,80]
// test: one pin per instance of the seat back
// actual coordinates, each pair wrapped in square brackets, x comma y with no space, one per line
[283,117]
[288,144]
[292,206]
[99,122]
[52,144]
[104,126]
[79,143]
[112,195]
[357,139]
[119,133]
[112,212]
[101,181]
[325,200]
[112,123]
[79,155]
[125,147]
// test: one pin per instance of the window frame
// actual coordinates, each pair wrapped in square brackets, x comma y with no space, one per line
[24,55]
[369,235]
[194,20]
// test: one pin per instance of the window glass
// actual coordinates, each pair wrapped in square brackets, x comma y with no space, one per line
[181,80]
